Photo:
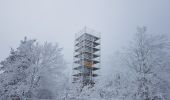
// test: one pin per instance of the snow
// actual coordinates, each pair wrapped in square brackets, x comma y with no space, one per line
[36,71]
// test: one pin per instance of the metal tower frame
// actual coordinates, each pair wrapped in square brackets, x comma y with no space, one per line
[86,57]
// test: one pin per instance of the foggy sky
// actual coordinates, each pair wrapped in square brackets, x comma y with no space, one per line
[57,21]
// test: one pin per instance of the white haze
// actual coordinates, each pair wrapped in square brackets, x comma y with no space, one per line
[59,20]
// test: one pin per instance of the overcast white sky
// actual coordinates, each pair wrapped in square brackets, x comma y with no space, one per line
[58,21]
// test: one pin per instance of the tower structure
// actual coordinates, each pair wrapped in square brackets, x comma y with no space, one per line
[86,57]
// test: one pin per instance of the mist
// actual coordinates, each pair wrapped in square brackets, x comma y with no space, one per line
[57,21]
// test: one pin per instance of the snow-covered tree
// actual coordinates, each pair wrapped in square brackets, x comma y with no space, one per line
[14,67]
[33,71]
[49,71]
[148,56]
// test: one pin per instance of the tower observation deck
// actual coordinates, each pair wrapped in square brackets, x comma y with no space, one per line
[86,57]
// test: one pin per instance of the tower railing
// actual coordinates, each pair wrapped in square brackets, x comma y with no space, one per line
[89,31]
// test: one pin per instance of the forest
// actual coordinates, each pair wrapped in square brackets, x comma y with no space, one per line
[35,71]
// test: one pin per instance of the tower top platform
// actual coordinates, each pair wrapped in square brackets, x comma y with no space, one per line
[88,31]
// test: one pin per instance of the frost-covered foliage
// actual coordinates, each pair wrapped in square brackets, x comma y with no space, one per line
[33,71]
[148,57]
[116,88]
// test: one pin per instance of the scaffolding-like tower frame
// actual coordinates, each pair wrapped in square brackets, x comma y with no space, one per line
[86,57]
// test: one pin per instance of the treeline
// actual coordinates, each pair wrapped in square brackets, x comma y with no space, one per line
[34,71]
